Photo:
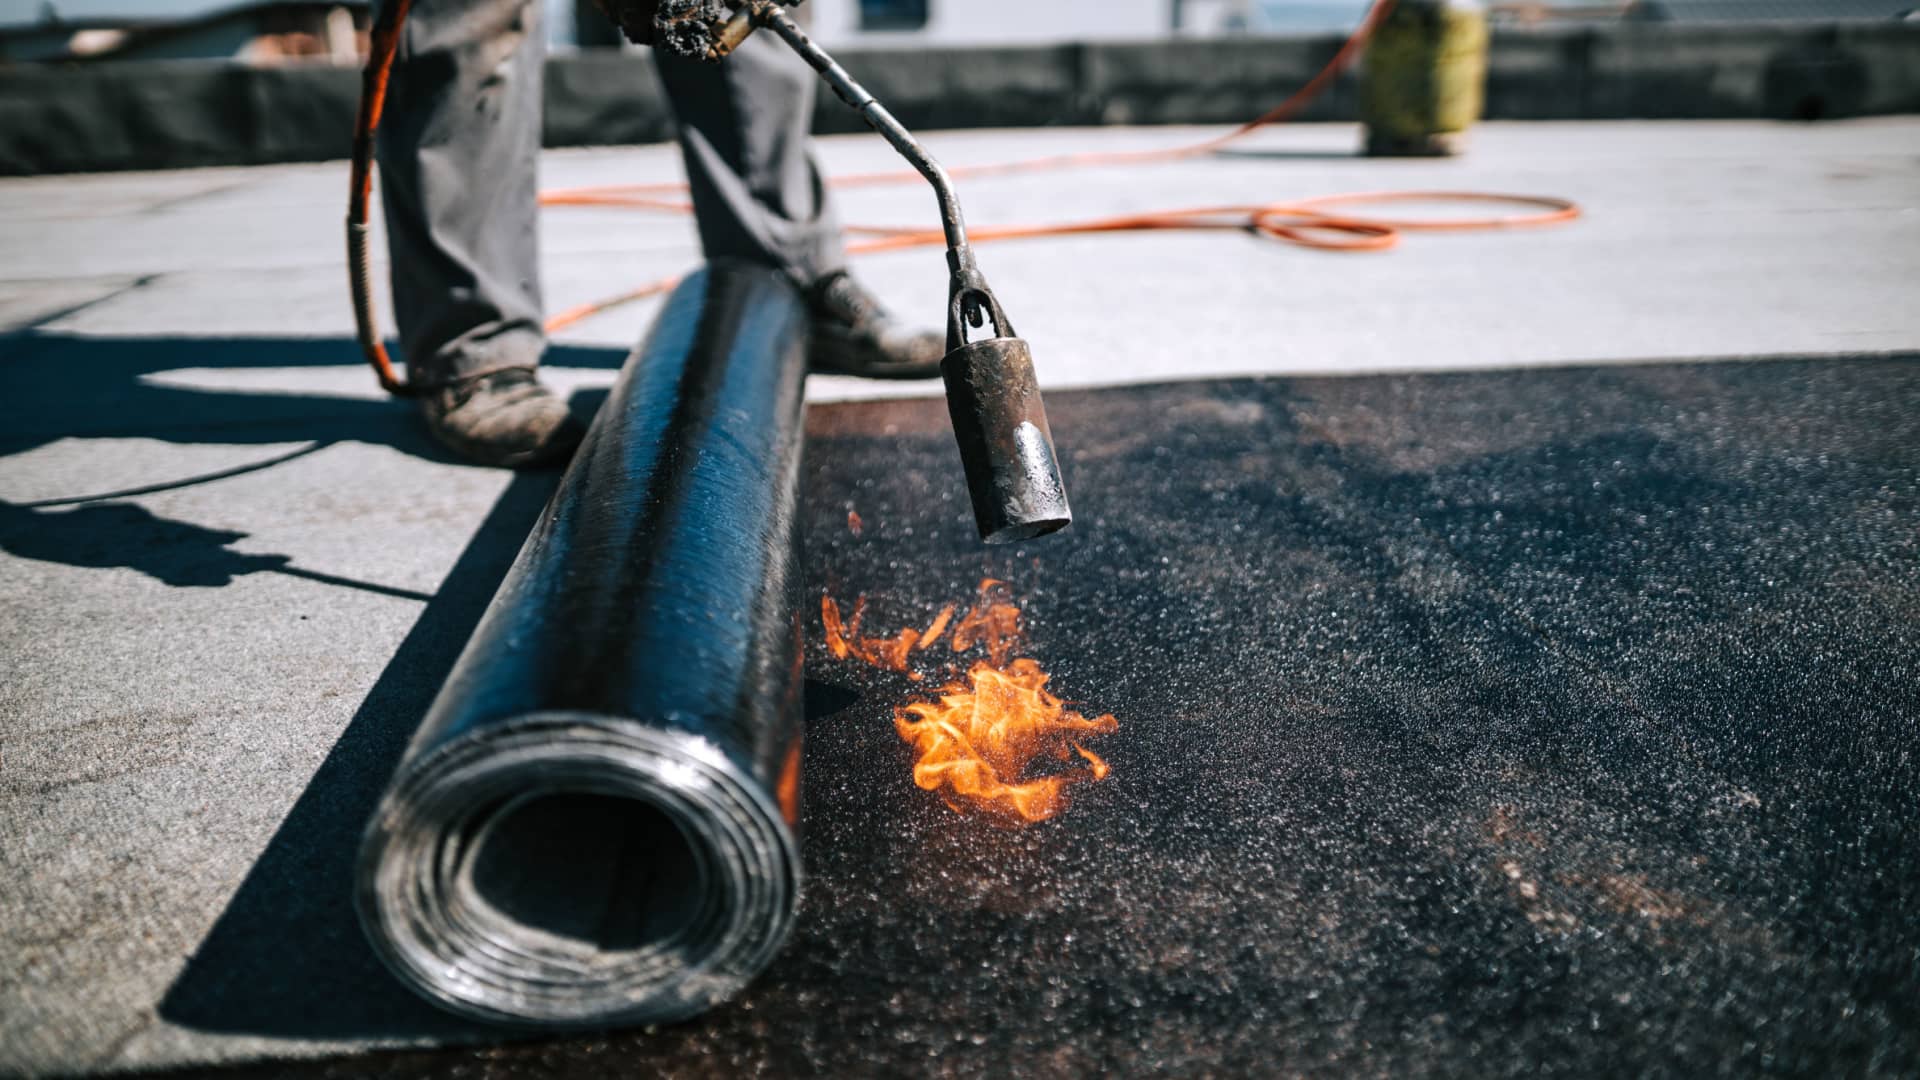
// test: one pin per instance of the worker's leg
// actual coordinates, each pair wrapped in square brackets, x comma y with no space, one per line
[743,132]
[759,196]
[458,145]
[458,151]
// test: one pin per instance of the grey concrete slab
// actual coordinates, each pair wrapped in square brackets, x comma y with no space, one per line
[171,697]
[28,302]
[92,195]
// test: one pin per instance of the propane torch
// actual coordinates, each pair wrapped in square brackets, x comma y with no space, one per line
[999,419]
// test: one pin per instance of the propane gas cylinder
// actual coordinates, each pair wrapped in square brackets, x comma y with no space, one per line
[1424,79]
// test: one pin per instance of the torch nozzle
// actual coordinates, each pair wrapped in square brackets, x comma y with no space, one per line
[999,419]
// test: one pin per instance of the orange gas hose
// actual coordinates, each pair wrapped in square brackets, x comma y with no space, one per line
[1311,222]
[373,98]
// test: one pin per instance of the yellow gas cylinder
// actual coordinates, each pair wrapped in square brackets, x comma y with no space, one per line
[1425,77]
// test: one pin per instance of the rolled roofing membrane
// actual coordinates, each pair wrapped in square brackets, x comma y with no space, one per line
[595,824]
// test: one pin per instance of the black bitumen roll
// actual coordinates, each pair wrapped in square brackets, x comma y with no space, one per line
[595,822]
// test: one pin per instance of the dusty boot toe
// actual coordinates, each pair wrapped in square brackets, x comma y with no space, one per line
[854,335]
[504,418]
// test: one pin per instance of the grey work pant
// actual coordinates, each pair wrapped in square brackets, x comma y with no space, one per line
[458,146]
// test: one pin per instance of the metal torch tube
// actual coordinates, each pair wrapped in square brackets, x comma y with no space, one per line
[596,821]
[877,117]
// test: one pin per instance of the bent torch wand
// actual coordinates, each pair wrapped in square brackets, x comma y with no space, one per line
[999,419]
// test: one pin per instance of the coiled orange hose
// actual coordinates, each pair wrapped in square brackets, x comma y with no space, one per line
[1307,222]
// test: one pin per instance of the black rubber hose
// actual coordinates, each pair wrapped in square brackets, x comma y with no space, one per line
[595,823]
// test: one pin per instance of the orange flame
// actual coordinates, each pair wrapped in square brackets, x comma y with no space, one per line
[844,640]
[979,739]
[993,622]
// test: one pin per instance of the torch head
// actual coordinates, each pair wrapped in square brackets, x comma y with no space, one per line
[1013,475]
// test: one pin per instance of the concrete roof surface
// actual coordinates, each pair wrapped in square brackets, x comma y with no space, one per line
[161,714]
[1700,239]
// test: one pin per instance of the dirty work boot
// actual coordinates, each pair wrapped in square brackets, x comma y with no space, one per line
[503,418]
[854,335]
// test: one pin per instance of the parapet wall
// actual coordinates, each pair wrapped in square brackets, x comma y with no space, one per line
[168,114]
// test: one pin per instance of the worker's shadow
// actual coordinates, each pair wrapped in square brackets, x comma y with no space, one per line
[61,387]
[285,958]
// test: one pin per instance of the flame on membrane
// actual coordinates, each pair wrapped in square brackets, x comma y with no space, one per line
[994,740]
